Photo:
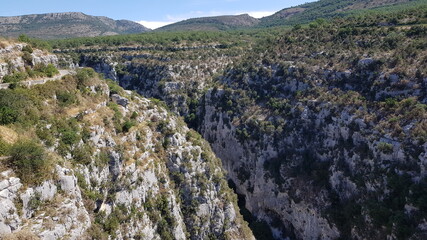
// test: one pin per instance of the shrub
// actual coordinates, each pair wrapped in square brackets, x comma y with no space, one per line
[70,137]
[8,115]
[82,155]
[114,87]
[65,98]
[84,75]
[28,49]
[29,160]
[4,147]
[385,147]
[15,77]
[17,107]
[127,126]
[22,234]
[50,70]
[28,59]
[45,70]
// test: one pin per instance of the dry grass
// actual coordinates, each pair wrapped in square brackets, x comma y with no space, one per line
[8,135]
[97,117]
[20,235]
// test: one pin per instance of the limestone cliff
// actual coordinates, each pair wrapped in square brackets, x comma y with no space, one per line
[119,166]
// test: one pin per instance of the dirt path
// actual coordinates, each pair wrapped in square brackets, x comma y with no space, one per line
[30,83]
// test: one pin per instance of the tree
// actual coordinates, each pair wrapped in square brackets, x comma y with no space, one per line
[29,161]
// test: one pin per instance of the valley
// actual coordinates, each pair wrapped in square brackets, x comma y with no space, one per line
[315,130]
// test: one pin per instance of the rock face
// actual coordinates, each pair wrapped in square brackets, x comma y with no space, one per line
[321,163]
[12,58]
[321,142]
[316,166]
[66,25]
[155,180]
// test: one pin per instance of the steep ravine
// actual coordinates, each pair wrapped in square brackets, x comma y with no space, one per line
[264,198]
[107,164]
[324,174]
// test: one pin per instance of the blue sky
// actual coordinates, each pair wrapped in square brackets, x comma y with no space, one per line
[152,13]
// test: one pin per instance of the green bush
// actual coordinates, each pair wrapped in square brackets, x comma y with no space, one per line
[46,70]
[82,155]
[50,70]
[385,147]
[29,161]
[127,126]
[65,98]
[4,148]
[84,75]
[114,87]
[15,106]
[70,137]
[8,115]
[28,49]
[28,59]
[15,77]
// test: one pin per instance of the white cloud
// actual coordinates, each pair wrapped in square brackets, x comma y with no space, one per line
[155,24]
[260,14]
[196,14]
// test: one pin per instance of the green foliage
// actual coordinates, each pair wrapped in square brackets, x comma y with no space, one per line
[4,147]
[29,161]
[35,43]
[134,115]
[385,147]
[102,159]
[8,115]
[96,232]
[65,98]
[70,137]
[46,70]
[28,59]
[15,77]
[128,125]
[329,9]
[82,154]
[27,48]
[16,106]
[114,87]
[84,77]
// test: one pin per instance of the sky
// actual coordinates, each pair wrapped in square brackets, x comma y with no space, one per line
[152,14]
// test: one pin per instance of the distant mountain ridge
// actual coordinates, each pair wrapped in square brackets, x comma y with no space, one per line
[77,24]
[327,9]
[300,14]
[66,25]
[225,22]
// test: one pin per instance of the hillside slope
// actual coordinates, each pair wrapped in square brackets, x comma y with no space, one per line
[212,23]
[80,158]
[66,25]
[308,12]
[321,128]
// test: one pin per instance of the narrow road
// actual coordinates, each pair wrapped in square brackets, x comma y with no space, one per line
[30,83]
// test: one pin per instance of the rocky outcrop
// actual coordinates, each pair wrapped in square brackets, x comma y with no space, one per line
[12,60]
[153,179]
